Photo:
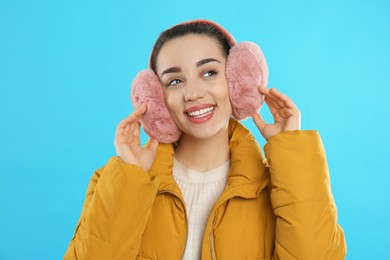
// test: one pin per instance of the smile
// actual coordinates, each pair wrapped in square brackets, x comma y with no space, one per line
[201,113]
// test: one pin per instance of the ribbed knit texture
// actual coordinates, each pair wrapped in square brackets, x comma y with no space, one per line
[200,191]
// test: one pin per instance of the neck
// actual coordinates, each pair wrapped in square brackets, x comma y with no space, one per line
[203,154]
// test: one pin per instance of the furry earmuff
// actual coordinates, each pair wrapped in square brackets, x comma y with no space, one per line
[157,122]
[246,69]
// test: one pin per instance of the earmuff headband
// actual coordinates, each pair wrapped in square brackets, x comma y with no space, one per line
[222,30]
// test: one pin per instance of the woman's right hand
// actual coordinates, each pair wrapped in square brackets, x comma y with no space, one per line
[127,141]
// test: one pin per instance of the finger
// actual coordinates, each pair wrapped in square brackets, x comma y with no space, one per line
[127,129]
[135,116]
[286,112]
[269,93]
[117,134]
[138,113]
[263,90]
[272,105]
[126,126]
[128,133]
[283,99]
[275,98]
[141,110]
[152,145]
[128,120]
[259,122]
[274,109]
[119,131]
[136,134]
[133,126]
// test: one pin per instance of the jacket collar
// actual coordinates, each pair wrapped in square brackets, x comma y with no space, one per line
[246,160]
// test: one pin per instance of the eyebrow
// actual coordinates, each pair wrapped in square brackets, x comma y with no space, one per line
[171,70]
[204,61]
[198,64]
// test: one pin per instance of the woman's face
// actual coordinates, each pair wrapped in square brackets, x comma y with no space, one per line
[192,72]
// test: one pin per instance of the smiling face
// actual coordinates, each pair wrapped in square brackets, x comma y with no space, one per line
[191,69]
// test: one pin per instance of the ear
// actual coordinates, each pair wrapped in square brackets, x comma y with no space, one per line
[246,69]
[157,122]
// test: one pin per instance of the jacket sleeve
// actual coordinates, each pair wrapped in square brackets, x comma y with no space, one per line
[306,214]
[115,212]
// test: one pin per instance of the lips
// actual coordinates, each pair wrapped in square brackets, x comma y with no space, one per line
[200,114]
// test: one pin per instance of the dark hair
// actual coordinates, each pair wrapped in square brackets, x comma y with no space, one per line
[185,29]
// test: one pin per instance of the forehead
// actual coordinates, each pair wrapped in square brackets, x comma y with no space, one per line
[188,50]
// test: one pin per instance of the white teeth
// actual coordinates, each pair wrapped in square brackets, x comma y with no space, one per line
[201,113]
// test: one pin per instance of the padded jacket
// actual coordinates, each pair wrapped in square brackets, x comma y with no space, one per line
[275,207]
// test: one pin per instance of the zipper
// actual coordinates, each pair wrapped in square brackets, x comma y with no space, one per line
[211,237]
[185,216]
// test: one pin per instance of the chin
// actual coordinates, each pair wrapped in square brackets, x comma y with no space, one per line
[206,130]
[202,136]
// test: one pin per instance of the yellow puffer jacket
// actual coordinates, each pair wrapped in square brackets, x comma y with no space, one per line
[275,208]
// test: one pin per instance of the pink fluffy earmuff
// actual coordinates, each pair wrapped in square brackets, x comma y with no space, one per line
[246,69]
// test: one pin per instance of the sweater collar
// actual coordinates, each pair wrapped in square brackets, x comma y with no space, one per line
[246,161]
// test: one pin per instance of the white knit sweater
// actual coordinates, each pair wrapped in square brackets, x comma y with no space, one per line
[200,191]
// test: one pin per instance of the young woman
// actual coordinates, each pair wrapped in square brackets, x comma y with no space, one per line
[211,194]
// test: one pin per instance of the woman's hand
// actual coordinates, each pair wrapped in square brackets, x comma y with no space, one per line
[286,115]
[127,141]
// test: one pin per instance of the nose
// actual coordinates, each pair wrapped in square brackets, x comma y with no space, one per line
[193,91]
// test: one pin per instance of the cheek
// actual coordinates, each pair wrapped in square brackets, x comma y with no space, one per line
[223,93]
[229,109]
[171,100]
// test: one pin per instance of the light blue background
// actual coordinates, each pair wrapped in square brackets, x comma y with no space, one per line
[65,72]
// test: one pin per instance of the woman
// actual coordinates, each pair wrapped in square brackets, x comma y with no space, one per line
[212,194]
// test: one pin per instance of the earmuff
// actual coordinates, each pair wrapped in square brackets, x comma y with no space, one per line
[246,69]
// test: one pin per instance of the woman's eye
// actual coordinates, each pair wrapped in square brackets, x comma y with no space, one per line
[173,82]
[209,73]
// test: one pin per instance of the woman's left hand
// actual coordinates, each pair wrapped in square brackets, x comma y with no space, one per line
[286,115]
